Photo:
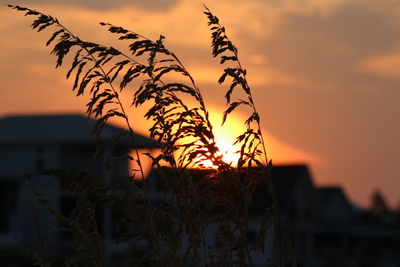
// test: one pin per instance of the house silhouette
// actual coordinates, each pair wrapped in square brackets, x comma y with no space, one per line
[322,225]
[35,142]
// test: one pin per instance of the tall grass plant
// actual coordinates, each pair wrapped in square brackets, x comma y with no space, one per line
[174,231]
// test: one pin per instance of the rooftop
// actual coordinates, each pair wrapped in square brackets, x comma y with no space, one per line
[60,129]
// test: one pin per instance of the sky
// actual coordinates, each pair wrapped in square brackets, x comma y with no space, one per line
[324,74]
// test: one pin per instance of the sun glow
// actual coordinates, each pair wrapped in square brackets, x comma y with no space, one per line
[225,136]
[277,150]
[228,152]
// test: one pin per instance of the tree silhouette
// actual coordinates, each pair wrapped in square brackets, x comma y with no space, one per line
[378,203]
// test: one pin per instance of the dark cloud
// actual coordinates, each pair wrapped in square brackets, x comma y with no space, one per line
[327,48]
[153,5]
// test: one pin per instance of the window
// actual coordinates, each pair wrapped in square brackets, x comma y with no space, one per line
[81,157]
[8,201]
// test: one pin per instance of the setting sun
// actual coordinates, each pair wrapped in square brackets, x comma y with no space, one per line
[280,152]
[228,152]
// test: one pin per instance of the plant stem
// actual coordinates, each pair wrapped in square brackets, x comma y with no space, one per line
[267,169]
[105,76]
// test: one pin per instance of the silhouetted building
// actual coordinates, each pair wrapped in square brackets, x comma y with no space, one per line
[32,143]
[325,227]
[336,207]
[328,230]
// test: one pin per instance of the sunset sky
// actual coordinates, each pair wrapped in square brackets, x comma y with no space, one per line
[324,73]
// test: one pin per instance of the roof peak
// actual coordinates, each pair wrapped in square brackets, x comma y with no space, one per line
[58,128]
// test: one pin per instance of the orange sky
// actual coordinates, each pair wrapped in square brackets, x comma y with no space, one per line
[325,74]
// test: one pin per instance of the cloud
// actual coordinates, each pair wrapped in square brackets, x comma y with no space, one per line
[386,66]
[325,49]
[153,6]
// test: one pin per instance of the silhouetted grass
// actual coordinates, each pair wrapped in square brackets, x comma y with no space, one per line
[172,232]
